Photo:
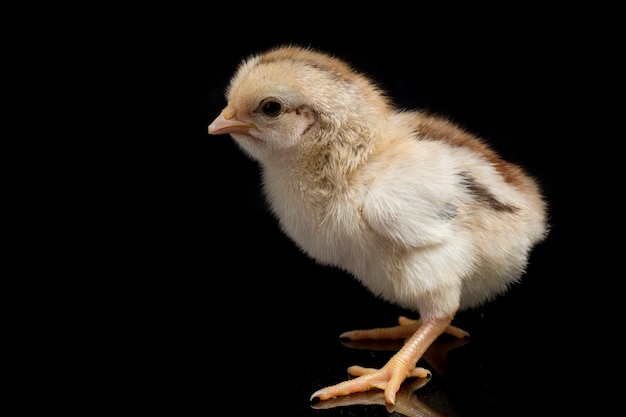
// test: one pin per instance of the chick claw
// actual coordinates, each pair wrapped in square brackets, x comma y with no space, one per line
[388,378]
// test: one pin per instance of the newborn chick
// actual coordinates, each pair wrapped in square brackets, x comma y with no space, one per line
[421,212]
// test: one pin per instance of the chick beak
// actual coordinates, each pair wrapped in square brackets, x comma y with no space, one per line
[227,123]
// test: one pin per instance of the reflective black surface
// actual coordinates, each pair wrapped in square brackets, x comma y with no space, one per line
[260,334]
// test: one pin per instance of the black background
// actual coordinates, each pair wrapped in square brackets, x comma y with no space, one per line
[211,309]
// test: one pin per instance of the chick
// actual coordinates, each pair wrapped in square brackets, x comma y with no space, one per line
[423,213]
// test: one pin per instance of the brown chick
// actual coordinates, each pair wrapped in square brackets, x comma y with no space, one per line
[420,211]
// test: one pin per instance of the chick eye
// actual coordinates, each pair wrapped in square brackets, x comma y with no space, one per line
[271,107]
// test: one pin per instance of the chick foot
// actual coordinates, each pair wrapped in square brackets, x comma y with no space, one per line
[406,328]
[401,366]
[407,402]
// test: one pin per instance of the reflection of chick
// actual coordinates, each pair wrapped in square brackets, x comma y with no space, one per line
[421,212]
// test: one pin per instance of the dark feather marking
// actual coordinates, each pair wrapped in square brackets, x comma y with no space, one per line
[336,73]
[483,195]
[300,110]
[447,212]
[307,128]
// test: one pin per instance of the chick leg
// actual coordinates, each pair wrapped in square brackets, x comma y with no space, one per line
[396,370]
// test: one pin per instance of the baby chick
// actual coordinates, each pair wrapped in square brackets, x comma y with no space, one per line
[420,211]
